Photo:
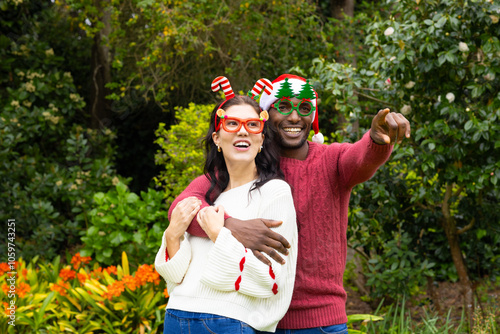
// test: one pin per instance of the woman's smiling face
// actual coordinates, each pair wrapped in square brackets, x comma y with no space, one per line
[240,146]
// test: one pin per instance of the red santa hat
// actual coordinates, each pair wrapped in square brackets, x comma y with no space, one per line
[297,83]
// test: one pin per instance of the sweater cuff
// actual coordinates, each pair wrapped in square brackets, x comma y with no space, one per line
[175,268]
[372,145]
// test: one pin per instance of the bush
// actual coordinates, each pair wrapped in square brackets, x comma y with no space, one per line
[120,220]
[181,151]
[82,299]
[51,164]
[437,63]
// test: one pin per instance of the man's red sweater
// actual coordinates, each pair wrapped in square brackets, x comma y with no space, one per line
[321,187]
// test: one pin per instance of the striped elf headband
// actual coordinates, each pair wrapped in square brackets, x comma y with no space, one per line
[223,82]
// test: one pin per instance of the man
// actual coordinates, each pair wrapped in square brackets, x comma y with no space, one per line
[321,177]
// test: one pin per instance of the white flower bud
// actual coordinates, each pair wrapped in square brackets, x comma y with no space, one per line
[406,110]
[463,47]
[450,97]
[410,84]
[389,31]
[489,77]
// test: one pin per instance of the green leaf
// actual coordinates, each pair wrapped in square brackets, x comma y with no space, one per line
[107,252]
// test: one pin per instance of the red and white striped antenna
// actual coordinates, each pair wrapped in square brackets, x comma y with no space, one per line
[262,85]
[223,82]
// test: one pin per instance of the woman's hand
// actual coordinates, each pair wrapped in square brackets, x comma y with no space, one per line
[182,215]
[211,220]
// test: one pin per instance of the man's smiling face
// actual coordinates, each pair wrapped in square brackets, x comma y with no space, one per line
[292,130]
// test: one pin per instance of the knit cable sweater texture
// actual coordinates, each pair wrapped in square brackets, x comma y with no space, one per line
[321,187]
[226,279]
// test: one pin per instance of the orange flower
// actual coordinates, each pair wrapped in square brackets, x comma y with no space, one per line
[23,289]
[24,272]
[5,306]
[146,273]
[76,260]
[67,274]
[4,267]
[165,293]
[130,282]
[16,264]
[97,273]
[82,277]
[114,289]
[61,287]
[111,270]
[5,288]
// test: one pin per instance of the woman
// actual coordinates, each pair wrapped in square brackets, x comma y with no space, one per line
[215,285]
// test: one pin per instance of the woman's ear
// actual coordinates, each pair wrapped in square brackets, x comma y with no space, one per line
[215,137]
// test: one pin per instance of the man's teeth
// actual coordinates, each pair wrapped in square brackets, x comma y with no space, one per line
[293,130]
[241,144]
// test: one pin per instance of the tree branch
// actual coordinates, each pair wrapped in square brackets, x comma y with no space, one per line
[467,227]
[445,209]
[373,98]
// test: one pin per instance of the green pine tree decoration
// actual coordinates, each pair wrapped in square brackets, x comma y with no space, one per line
[285,90]
[306,92]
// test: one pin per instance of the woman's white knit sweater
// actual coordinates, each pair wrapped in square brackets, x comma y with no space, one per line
[226,279]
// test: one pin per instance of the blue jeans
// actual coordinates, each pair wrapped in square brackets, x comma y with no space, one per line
[182,322]
[334,329]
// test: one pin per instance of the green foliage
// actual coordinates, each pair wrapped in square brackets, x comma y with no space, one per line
[364,318]
[120,220]
[180,149]
[85,299]
[397,320]
[437,63]
[396,270]
[171,50]
[51,164]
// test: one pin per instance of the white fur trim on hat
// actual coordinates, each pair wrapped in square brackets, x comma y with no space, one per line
[266,100]
[318,138]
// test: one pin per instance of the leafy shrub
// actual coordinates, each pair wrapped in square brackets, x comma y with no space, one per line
[120,220]
[50,162]
[82,299]
[180,149]
[437,63]
[396,270]
[170,50]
